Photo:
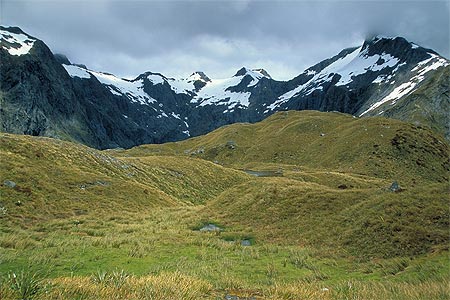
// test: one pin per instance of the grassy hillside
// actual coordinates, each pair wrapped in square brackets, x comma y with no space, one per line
[55,179]
[377,147]
[366,223]
[321,222]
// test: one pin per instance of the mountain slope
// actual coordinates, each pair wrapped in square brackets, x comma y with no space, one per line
[37,96]
[377,146]
[363,81]
[45,94]
[428,104]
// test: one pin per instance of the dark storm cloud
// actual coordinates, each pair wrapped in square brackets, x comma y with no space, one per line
[218,37]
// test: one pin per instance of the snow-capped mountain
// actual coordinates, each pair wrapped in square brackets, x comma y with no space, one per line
[45,94]
[391,67]
[16,42]
[230,92]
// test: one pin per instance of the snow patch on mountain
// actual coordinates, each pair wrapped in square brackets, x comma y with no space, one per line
[156,79]
[75,71]
[364,63]
[176,116]
[319,78]
[16,43]
[133,90]
[181,86]
[355,63]
[199,75]
[406,88]
[216,93]
[256,75]
[286,97]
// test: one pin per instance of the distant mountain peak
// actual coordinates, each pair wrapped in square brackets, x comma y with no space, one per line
[198,75]
[398,47]
[252,72]
[14,29]
[262,72]
[241,72]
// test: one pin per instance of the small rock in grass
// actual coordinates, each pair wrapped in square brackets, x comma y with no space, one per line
[246,243]
[395,187]
[342,186]
[210,227]
[9,183]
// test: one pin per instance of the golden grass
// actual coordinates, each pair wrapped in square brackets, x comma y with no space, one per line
[376,147]
[328,221]
[175,286]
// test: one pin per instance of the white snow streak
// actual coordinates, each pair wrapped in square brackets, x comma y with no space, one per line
[215,93]
[133,90]
[19,44]
[408,87]
[75,71]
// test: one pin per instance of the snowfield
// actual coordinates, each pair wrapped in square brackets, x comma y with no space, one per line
[16,44]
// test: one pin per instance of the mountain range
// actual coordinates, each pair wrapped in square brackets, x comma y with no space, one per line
[44,94]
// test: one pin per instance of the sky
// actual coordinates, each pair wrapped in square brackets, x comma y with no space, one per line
[176,38]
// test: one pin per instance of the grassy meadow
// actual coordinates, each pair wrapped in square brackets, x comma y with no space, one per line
[321,223]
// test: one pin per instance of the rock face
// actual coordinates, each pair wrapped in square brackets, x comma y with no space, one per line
[45,94]
[39,97]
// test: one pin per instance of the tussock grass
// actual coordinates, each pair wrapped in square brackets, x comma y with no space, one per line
[365,222]
[353,290]
[164,286]
[125,224]
[377,147]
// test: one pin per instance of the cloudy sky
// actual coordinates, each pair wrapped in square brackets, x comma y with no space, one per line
[175,38]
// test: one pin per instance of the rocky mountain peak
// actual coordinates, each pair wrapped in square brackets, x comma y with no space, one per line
[15,41]
[152,76]
[397,47]
[198,75]
[241,72]
[262,72]
[255,73]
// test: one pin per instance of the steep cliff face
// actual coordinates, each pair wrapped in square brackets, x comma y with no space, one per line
[39,97]
[45,94]
[428,105]
[37,94]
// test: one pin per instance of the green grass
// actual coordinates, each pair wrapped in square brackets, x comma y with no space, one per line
[88,224]
[375,147]
[362,222]
[166,244]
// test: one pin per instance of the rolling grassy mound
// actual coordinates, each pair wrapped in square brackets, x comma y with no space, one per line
[365,223]
[55,179]
[322,219]
[189,180]
[378,147]
[330,182]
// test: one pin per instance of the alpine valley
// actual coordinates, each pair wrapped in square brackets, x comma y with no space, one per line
[331,185]
[43,94]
